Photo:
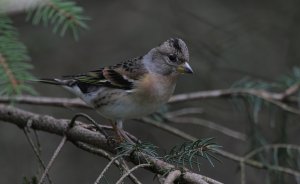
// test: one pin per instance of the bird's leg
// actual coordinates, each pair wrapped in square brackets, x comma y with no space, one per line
[118,128]
[119,124]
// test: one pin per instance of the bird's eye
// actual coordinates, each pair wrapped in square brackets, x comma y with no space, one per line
[172,58]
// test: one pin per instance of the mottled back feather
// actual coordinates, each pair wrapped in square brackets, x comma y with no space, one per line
[120,76]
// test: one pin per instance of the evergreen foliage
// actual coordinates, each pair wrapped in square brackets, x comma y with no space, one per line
[191,152]
[65,16]
[278,119]
[62,15]
[14,66]
[187,153]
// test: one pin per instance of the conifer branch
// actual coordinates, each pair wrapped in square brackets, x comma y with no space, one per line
[14,68]
[63,15]
[12,79]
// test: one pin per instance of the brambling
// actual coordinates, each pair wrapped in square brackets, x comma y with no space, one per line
[133,88]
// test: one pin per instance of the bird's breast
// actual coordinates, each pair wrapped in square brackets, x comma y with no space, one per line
[155,88]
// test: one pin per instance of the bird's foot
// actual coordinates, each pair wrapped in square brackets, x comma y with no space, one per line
[121,135]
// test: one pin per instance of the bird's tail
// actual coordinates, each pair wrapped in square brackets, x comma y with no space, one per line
[58,82]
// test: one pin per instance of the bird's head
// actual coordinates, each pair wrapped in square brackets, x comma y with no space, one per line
[169,58]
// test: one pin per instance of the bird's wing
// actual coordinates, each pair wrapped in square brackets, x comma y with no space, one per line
[120,76]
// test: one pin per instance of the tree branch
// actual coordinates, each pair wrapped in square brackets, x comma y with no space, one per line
[214,126]
[131,170]
[49,101]
[79,134]
[172,176]
[277,99]
[236,92]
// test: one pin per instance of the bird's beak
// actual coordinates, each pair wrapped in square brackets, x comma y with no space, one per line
[185,68]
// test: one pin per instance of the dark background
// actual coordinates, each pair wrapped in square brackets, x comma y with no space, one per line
[227,40]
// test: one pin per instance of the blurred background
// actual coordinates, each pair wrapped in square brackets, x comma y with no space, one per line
[227,40]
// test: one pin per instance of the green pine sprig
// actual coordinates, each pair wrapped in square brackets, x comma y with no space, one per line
[191,152]
[277,117]
[256,104]
[64,16]
[14,66]
[290,79]
[127,148]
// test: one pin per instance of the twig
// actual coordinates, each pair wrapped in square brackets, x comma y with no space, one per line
[172,176]
[103,153]
[37,141]
[290,91]
[185,111]
[55,154]
[48,101]
[273,98]
[192,178]
[230,92]
[168,128]
[274,146]
[131,176]
[58,149]
[243,172]
[131,170]
[271,146]
[214,126]
[96,151]
[106,168]
[160,178]
[38,146]
[37,153]
[98,127]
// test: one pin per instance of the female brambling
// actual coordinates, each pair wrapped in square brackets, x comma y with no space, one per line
[133,88]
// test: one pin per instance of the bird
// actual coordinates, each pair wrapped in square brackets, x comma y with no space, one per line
[133,88]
